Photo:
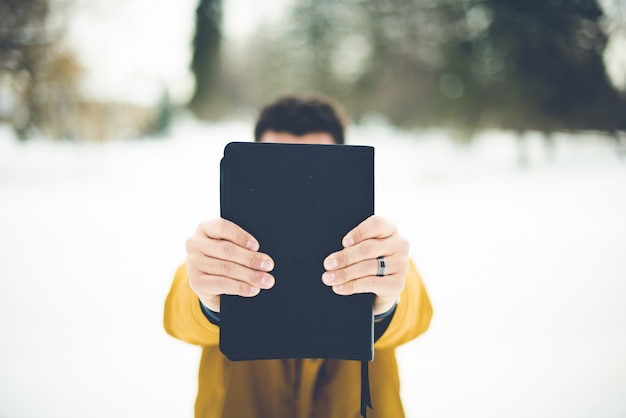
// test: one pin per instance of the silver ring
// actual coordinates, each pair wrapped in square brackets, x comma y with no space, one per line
[382,266]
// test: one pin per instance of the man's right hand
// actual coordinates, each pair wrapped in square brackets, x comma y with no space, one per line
[222,258]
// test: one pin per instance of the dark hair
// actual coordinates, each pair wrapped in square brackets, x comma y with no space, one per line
[300,116]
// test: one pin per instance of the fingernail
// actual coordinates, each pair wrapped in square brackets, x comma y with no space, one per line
[338,288]
[330,264]
[348,242]
[252,245]
[328,277]
[267,281]
[254,290]
[266,265]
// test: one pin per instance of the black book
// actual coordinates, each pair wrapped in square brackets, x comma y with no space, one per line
[298,201]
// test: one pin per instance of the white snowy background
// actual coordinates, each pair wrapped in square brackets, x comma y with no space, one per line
[526,269]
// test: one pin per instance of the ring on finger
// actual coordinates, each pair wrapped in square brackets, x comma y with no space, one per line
[382,266]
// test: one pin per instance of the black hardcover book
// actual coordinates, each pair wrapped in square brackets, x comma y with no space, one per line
[298,201]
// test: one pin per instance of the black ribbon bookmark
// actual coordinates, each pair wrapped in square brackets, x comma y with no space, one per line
[366,400]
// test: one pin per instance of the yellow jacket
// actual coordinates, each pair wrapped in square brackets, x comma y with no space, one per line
[294,388]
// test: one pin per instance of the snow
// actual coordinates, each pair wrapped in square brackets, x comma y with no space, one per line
[525,267]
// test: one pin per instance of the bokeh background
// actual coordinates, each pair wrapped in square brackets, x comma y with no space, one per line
[500,135]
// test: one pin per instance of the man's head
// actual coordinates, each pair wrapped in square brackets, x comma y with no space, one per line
[300,119]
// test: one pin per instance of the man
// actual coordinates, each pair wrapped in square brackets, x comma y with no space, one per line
[222,258]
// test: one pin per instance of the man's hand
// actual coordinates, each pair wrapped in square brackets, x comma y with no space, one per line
[222,258]
[353,269]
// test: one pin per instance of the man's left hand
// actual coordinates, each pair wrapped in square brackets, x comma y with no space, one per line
[354,269]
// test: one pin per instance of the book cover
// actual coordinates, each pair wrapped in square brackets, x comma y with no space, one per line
[298,201]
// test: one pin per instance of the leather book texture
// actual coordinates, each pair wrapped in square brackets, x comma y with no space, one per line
[298,201]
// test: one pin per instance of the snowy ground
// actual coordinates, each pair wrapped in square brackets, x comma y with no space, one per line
[526,268]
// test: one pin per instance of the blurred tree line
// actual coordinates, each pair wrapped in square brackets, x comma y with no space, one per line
[470,64]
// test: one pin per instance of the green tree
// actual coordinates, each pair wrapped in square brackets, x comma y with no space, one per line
[541,65]
[514,64]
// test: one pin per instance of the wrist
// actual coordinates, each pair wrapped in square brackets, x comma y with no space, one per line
[211,315]
[388,312]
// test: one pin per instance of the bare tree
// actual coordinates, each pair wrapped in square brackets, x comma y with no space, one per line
[41,76]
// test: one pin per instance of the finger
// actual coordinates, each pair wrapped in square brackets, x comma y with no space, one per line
[372,227]
[364,250]
[224,229]
[210,285]
[230,251]
[360,270]
[381,286]
[224,268]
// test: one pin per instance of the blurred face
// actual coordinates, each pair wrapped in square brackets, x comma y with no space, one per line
[287,138]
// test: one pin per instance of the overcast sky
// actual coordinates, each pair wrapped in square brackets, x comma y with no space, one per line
[132,47]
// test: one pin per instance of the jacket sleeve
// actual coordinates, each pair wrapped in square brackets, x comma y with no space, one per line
[412,315]
[183,317]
